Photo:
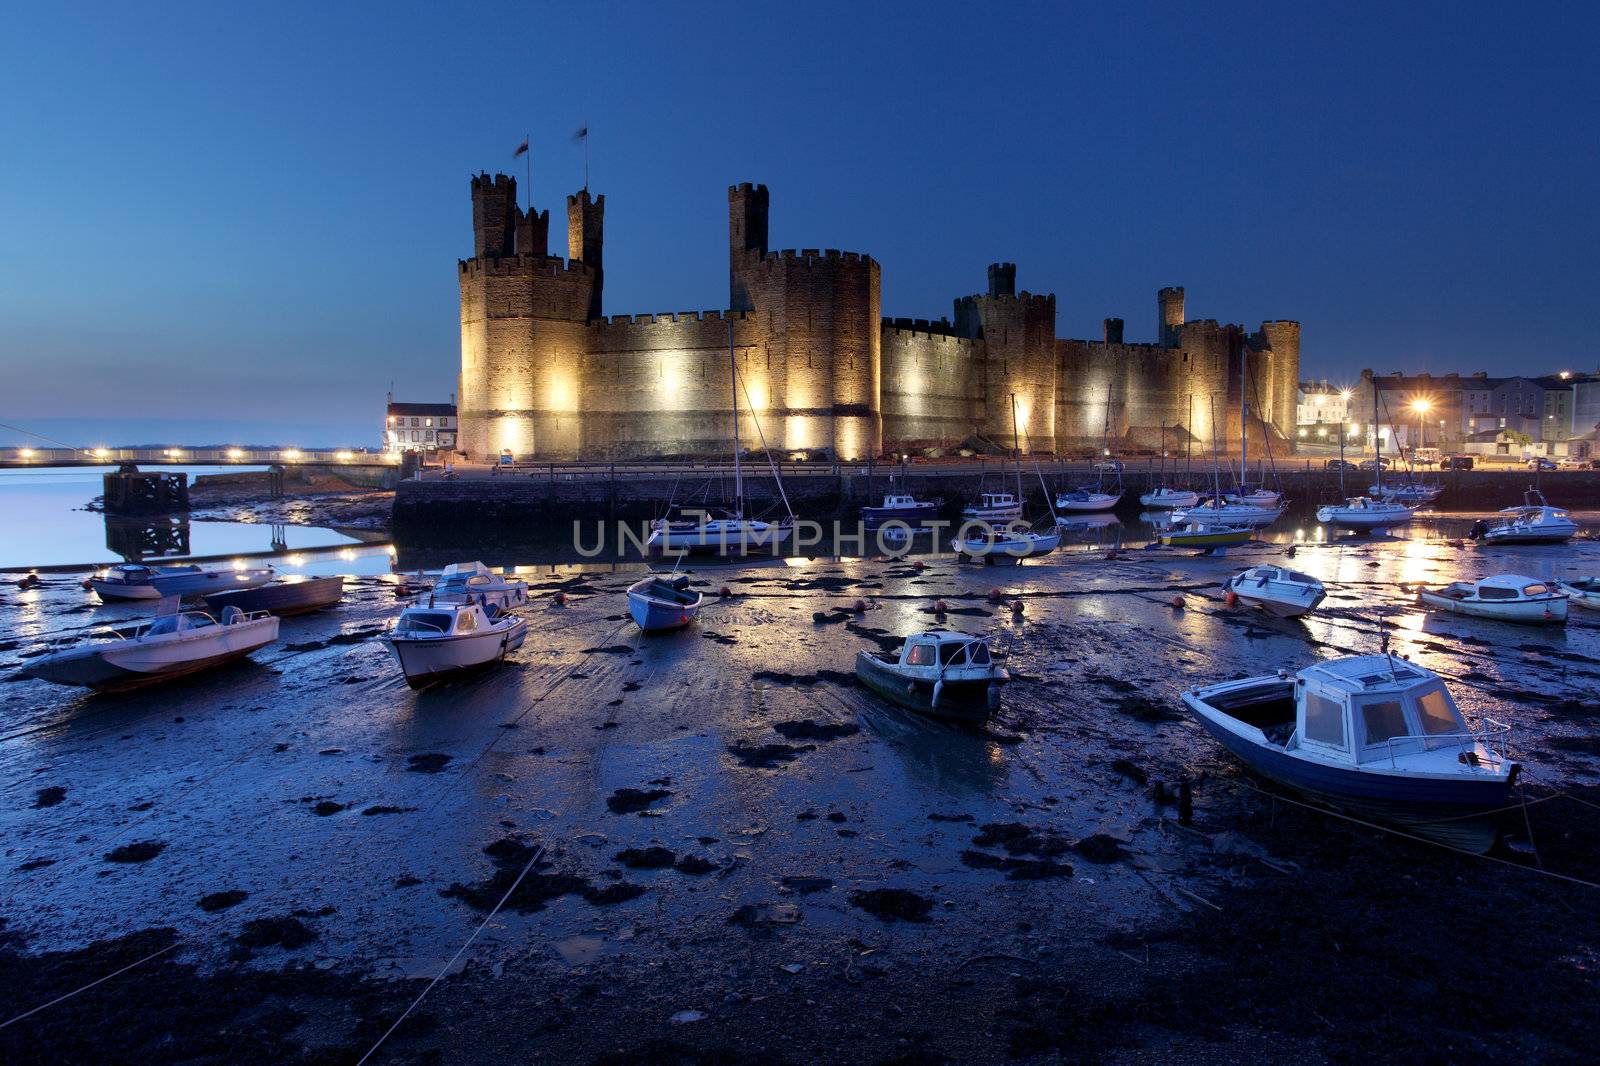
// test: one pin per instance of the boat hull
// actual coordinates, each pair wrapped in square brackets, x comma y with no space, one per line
[712,542]
[1558,536]
[119,665]
[1545,610]
[1453,812]
[185,585]
[1096,501]
[1166,501]
[283,600]
[1250,517]
[653,614]
[428,660]
[1205,538]
[1281,607]
[970,703]
[1361,521]
[1584,594]
[922,512]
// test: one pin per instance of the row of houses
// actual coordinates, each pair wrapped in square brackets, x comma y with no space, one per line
[1548,414]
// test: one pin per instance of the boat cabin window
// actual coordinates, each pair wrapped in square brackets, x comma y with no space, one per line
[980,654]
[425,622]
[1535,590]
[1490,592]
[1438,717]
[921,655]
[951,652]
[466,622]
[1383,721]
[1324,720]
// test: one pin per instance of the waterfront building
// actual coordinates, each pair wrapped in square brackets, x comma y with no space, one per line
[545,373]
[419,427]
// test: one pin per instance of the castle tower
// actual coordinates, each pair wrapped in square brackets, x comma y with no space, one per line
[1112,328]
[494,216]
[747,239]
[533,234]
[1019,333]
[1282,373]
[1169,321]
[586,221]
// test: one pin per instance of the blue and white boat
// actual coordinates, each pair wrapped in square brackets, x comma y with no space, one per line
[134,581]
[902,508]
[1372,734]
[293,595]
[662,602]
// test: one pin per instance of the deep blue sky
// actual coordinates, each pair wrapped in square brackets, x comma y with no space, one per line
[253,212]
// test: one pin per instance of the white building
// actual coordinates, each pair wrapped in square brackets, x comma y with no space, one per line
[419,427]
[1322,404]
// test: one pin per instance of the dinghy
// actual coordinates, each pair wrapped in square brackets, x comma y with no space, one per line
[1371,734]
[174,644]
[1504,598]
[442,639]
[661,602]
[902,508]
[944,675]
[1535,522]
[1364,514]
[476,583]
[134,581]
[291,596]
[1281,593]
[997,507]
[1166,499]
[1003,545]
[1583,591]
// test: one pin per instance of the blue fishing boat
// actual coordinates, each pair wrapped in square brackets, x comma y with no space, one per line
[134,581]
[661,602]
[1372,734]
[900,507]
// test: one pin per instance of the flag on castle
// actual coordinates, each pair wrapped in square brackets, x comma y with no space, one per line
[582,134]
[521,148]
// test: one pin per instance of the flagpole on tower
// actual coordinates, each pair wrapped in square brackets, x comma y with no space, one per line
[529,141]
[585,155]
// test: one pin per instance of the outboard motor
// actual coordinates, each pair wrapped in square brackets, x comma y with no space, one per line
[1479,528]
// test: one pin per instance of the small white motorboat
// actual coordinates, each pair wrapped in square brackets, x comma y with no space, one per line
[902,508]
[1535,522]
[661,602]
[1216,512]
[172,645]
[1263,498]
[944,675]
[1583,591]
[1003,545]
[1413,494]
[1366,515]
[993,507]
[1372,734]
[1280,592]
[1166,499]
[1504,597]
[476,583]
[134,581]
[434,642]
[718,533]
[1081,500]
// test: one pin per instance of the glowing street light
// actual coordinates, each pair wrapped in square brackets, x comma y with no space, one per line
[343,456]
[235,453]
[1421,407]
[291,453]
[26,453]
[100,453]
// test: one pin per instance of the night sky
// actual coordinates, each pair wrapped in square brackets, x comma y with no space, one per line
[243,222]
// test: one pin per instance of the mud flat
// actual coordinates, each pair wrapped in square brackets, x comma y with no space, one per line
[729,852]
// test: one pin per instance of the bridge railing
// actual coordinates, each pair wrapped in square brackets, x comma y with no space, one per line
[221,456]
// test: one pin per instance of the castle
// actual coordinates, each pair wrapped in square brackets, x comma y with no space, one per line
[544,373]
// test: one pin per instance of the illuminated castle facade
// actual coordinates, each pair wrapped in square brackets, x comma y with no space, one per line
[545,374]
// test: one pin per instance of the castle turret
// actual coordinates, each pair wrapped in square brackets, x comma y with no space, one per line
[1019,334]
[494,216]
[747,239]
[533,233]
[1113,330]
[586,220]
[1281,373]
[1169,304]
[1002,279]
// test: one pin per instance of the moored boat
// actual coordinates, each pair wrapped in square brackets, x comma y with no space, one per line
[993,507]
[1504,598]
[1364,514]
[476,583]
[1218,512]
[1003,545]
[1583,591]
[661,602]
[941,674]
[1277,591]
[135,581]
[434,642]
[900,507]
[1082,500]
[1535,522]
[1166,499]
[172,645]
[1255,497]
[1205,535]
[719,533]
[291,596]
[1375,735]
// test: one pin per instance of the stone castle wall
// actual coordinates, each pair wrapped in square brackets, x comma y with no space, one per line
[544,373]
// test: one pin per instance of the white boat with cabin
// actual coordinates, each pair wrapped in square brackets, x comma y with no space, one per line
[1216,512]
[1278,591]
[900,507]
[941,674]
[1535,522]
[994,507]
[1086,499]
[436,641]
[1504,598]
[173,644]
[1366,515]
[135,581]
[476,583]
[1003,545]
[1166,499]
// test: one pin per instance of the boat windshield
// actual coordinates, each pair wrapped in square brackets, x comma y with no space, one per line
[424,622]
[1438,714]
[1493,592]
[1536,589]
[951,652]
[920,655]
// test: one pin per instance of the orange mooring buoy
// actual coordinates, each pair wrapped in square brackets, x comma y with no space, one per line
[561,599]
[919,565]
[860,607]
[995,595]
[1231,598]
[1016,606]
[1177,603]
[938,607]
[724,592]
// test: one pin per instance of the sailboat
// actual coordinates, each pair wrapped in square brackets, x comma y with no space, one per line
[1369,514]
[1164,497]
[1236,509]
[1086,499]
[724,532]
[1208,530]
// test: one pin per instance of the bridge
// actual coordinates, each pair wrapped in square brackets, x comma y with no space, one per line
[11,458]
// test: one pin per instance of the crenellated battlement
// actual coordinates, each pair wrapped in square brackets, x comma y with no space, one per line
[663,318]
[813,255]
[498,181]
[940,330]
[522,265]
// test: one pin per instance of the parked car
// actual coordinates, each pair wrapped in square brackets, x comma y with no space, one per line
[1539,462]
[1456,462]
[1368,464]
[1110,466]
[1340,464]
[1572,462]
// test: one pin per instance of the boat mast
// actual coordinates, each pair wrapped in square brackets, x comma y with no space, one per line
[1216,457]
[1377,447]
[738,469]
[1244,422]
[1016,445]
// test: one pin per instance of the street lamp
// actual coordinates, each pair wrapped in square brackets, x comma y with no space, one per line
[1421,407]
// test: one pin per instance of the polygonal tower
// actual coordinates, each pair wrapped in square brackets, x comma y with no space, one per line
[586,221]
[747,239]
[1169,316]
[1019,333]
